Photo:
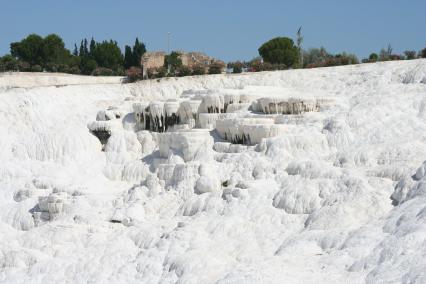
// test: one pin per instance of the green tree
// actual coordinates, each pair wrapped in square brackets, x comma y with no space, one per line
[74,64]
[87,65]
[299,46]
[237,67]
[410,54]
[81,50]
[107,54]
[128,57]
[315,57]
[54,51]
[422,53]
[8,63]
[373,57]
[383,55]
[75,52]
[30,49]
[172,62]
[280,50]
[138,50]
[216,68]
[86,49]
[92,47]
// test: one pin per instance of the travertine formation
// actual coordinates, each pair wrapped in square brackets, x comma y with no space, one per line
[341,190]
[234,117]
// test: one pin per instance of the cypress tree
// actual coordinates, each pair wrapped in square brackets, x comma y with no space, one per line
[81,49]
[86,50]
[138,50]
[128,57]
[75,52]
[92,46]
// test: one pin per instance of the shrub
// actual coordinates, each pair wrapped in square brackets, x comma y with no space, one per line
[256,65]
[74,70]
[102,71]
[8,63]
[134,74]
[410,54]
[182,71]
[87,65]
[395,57]
[24,66]
[237,67]
[64,68]
[386,54]
[159,72]
[51,67]
[315,57]
[280,50]
[422,53]
[150,73]
[373,57]
[198,70]
[266,66]
[36,68]
[216,68]
[278,67]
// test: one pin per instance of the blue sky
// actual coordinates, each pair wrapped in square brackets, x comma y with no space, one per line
[229,30]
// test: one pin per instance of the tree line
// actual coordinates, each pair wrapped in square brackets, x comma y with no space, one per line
[283,53]
[36,54]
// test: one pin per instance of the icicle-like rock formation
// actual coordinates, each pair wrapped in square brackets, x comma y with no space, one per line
[287,106]
[212,103]
[248,131]
[233,113]
[188,112]
[157,116]
[141,114]
[101,129]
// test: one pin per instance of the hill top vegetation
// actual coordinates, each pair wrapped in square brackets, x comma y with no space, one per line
[36,54]
[105,58]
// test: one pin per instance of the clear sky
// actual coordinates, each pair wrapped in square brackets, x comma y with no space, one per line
[229,30]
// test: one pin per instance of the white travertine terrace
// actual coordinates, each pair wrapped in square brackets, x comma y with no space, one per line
[208,120]
[190,144]
[238,107]
[228,113]
[188,111]
[288,106]
[340,191]
[248,131]
[212,103]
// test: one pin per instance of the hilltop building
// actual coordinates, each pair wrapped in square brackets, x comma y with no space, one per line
[152,60]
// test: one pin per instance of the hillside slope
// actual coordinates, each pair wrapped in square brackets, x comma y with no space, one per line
[337,196]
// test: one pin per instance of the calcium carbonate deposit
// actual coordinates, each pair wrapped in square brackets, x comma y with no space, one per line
[300,176]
